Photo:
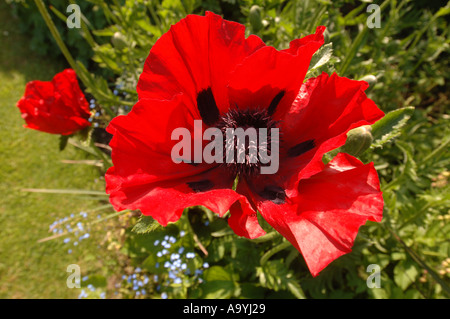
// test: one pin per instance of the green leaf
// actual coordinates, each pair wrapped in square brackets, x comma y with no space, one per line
[390,126]
[321,57]
[275,275]
[217,273]
[145,225]
[63,139]
[443,11]
[217,289]
[405,273]
[218,283]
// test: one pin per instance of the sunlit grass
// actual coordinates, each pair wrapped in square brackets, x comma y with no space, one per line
[31,159]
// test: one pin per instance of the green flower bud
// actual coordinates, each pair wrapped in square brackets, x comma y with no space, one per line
[255,18]
[119,41]
[358,140]
[371,79]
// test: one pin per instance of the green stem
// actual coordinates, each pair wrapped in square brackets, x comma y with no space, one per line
[273,251]
[64,191]
[111,216]
[266,237]
[54,31]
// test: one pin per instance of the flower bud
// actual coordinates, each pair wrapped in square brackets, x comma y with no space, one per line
[371,79]
[119,41]
[358,140]
[255,18]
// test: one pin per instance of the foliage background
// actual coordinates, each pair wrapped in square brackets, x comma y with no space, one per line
[406,63]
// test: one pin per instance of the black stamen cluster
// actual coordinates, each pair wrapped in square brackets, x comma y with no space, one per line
[246,118]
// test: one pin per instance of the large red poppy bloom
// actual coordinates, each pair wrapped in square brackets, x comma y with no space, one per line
[205,69]
[57,106]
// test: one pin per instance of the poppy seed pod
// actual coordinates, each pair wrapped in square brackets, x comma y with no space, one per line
[358,140]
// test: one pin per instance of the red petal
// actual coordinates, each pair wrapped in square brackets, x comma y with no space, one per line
[323,220]
[195,54]
[267,72]
[66,85]
[325,109]
[57,106]
[144,175]
[243,219]
[165,201]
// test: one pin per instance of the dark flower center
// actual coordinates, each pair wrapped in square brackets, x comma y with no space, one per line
[244,156]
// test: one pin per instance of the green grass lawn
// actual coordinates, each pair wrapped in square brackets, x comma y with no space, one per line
[31,159]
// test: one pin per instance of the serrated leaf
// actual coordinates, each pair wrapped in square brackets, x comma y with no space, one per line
[321,57]
[145,225]
[390,126]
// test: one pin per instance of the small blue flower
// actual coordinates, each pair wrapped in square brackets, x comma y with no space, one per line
[177,281]
[190,255]
[82,294]
[172,275]
[156,243]
[182,233]
[164,295]
[66,240]
[85,278]
[205,265]
[180,250]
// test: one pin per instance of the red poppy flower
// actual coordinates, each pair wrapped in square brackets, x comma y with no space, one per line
[57,106]
[205,69]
